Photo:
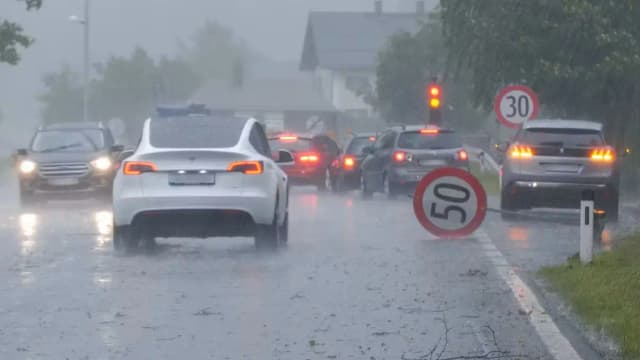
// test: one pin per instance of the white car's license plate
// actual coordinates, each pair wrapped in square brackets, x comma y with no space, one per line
[192,179]
[433,163]
[63,182]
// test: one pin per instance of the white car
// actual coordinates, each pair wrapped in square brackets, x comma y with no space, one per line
[201,176]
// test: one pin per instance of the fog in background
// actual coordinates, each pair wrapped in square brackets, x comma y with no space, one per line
[274,29]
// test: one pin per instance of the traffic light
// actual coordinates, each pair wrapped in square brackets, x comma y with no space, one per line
[434,103]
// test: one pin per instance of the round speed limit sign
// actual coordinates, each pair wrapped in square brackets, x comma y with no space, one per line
[516,104]
[450,203]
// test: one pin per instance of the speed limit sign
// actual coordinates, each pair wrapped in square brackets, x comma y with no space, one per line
[516,104]
[450,203]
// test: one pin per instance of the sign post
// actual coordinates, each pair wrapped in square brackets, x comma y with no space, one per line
[516,104]
[450,203]
[586,227]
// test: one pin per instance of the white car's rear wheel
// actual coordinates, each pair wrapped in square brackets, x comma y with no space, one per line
[124,239]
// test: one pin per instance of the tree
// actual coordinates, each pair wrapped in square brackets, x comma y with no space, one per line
[581,56]
[213,52]
[62,98]
[12,36]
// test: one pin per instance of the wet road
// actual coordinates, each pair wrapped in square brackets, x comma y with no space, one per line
[359,280]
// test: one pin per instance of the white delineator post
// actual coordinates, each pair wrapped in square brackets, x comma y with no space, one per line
[586,227]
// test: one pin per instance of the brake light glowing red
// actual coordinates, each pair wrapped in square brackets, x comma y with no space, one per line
[399,156]
[138,167]
[463,155]
[246,167]
[430,131]
[288,138]
[309,158]
[372,138]
[604,154]
[349,163]
[520,151]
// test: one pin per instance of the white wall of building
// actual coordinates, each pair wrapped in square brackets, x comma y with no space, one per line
[337,88]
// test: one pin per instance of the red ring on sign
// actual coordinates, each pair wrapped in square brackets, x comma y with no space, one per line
[477,188]
[504,92]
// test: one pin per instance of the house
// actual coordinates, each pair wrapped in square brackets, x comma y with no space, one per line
[280,103]
[341,51]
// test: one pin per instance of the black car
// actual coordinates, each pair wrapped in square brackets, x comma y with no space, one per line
[345,170]
[403,155]
[67,158]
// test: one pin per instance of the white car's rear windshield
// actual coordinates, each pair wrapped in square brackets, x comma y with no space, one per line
[195,132]
[562,137]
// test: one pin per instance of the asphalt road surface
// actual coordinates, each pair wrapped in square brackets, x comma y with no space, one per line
[360,279]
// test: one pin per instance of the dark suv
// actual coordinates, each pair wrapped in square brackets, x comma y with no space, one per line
[403,155]
[67,157]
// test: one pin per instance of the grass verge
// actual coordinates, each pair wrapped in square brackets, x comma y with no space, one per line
[606,294]
[488,179]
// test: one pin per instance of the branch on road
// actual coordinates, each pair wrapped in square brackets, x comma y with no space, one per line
[443,344]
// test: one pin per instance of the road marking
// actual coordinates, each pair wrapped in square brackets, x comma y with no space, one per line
[559,347]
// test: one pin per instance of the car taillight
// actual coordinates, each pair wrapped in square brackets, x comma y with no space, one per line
[520,151]
[309,158]
[246,167]
[604,154]
[399,156]
[463,155]
[349,162]
[138,167]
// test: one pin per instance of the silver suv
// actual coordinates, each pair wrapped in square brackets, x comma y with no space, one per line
[551,162]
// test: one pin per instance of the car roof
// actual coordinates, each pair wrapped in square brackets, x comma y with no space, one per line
[363,135]
[74,126]
[562,124]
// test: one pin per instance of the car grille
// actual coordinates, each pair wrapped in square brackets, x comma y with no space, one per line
[53,170]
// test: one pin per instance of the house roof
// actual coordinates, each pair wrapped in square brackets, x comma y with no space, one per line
[351,40]
[276,95]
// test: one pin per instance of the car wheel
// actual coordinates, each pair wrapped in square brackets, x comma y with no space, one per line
[507,206]
[284,229]
[27,197]
[389,188]
[123,239]
[364,188]
[268,237]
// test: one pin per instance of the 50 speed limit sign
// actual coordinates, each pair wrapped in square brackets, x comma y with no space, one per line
[516,104]
[450,203]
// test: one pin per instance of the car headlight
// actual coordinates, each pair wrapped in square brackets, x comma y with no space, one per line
[102,163]
[27,166]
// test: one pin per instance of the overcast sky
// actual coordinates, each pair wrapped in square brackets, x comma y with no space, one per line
[275,28]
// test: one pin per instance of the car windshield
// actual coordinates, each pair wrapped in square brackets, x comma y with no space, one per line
[300,144]
[414,140]
[68,141]
[561,137]
[195,132]
[357,145]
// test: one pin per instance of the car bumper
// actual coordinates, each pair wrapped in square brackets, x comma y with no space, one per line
[258,207]
[401,176]
[559,194]
[85,183]
[301,176]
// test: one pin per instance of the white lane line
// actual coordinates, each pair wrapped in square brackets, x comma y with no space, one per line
[559,347]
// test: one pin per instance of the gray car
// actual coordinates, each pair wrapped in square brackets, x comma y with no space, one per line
[551,162]
[403,155]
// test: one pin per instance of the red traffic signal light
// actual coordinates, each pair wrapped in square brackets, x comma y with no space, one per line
[434,96]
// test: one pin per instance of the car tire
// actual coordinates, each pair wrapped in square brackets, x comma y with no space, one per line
[321,183]
[284,229]
[124,239]
[507,206]
[364,189]
[27,197]
[613,211]
[389,188]
[337,185]
[268,237]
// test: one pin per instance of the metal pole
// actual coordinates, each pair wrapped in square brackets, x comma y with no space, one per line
[87,62]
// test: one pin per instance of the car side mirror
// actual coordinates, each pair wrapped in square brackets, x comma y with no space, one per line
[368,150]
[502,147]
[284,157]
[117,148]
[21,152]
[125,154]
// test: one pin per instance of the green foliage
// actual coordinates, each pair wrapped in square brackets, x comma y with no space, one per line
[407,65]
[63,97]
[12,36]
[607,293]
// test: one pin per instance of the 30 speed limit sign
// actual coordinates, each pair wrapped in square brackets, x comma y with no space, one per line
[450,203]
[516,104]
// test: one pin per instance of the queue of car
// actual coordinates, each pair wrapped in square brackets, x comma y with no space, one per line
[195,174]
